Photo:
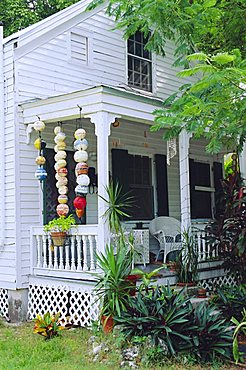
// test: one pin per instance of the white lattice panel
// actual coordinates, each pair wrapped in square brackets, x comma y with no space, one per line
[82,309]
[218,281]
[141,245]
[42,299]
[4,305]
[74,306]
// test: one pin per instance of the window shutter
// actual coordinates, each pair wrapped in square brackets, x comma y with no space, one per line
[161,184]
[120,168]
[192,187]
[218,176]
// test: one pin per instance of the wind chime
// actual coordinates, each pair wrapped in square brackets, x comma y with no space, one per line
[40,145]
[62,208]
[81,170]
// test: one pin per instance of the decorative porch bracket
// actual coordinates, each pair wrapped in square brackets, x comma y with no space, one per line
[184,143]
[102,121]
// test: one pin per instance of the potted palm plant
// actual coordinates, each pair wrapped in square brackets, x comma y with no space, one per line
[58,229]
[112,288]
[187,261]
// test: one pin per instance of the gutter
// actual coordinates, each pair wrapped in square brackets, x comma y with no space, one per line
[2,143]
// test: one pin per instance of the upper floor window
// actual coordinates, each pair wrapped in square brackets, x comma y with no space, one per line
[139,62]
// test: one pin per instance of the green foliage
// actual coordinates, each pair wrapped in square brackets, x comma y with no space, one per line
[210,46]
[147,278]
[117,204]
[231,301]
[240,329]
[212,336]
[18,14]
[111,289]
[48,325]
[160,314]
[60,224]
[187,262]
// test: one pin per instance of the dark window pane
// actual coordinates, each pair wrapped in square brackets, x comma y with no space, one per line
[130,63]
[146,54]
[201,205]
[130,47]
[130,77]
[136,65]
[202,174]
[137,79]
[138,50]
[138,36]
[143,203]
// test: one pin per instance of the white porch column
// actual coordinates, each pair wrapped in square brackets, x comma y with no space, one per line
[242,163]
[102,121]
[184,143]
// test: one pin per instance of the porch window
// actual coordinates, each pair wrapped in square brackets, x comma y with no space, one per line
[139,62]
[201,190]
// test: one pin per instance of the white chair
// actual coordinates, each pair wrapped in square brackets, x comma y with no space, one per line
[167,231]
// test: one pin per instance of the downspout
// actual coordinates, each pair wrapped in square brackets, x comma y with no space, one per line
[2,143]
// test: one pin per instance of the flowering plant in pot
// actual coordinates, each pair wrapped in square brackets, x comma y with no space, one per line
[58,229]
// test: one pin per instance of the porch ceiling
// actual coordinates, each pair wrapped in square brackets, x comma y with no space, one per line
[126,104]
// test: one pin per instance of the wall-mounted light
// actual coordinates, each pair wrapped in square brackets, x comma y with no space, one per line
[116,123]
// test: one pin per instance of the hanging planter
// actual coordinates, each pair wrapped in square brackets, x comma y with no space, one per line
[59,228]
[58,238]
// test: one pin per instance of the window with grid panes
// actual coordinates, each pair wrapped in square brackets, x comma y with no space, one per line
[140,186]
[139,62]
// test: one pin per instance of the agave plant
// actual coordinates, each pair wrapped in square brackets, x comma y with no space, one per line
[162,314]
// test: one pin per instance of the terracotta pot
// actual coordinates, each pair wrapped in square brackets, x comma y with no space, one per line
[132,281]
[107,324]
[201,293]
[58,238]
[172,266]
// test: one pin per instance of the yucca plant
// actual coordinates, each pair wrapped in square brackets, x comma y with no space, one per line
[117,206]
[212,335]
[161,314]
[111,287]
[48,325]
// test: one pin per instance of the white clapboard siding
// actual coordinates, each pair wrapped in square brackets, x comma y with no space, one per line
[8,252]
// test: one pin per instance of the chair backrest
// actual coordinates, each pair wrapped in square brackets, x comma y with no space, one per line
[168,225]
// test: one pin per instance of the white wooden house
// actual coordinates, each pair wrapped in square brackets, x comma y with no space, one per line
[72,59]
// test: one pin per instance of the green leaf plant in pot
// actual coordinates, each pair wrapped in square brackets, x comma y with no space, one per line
[59,228]
[187,261]
[112,288]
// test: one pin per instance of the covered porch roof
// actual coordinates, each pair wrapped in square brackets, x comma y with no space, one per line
[122,102]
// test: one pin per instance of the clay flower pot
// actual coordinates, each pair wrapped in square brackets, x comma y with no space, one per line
[132,281]
[201,293]
[107,324]
[58,238]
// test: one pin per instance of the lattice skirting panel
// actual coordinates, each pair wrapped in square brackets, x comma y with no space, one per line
[4,305]
[215,282]
[76,307]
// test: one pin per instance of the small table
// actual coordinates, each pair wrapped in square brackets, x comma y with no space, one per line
[141,245]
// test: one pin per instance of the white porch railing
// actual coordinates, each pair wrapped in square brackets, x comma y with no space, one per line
[75,259]
[206,251]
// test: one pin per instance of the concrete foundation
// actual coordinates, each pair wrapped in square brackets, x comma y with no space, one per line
[18,302]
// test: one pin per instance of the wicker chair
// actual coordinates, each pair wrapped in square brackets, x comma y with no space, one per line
[167,231]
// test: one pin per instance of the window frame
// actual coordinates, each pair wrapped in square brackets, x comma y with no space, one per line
[152,62]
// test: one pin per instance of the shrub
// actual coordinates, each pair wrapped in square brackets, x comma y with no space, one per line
[161,314]
[48,325]
[231,301]
[212,336]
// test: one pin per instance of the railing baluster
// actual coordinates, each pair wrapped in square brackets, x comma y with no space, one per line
[91,239]
[44,240]
[73,266]
[79,248]
[61,264]
[51,247]
[84,239]
[56,257]
[39,257]
[67,248]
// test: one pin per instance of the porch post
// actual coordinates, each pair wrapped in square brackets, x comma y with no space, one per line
[242,163]
[102,121]
[184,143]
